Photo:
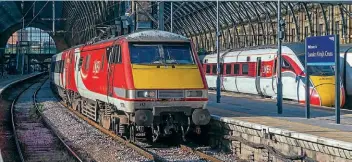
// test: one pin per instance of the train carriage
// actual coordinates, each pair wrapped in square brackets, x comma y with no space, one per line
[254,71]
[146,84]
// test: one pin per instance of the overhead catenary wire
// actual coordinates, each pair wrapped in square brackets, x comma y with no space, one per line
[37,13]
[27,11]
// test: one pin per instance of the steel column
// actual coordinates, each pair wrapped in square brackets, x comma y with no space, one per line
[218,95]
[54,18]
[279,60]
[171,15]
[161,16]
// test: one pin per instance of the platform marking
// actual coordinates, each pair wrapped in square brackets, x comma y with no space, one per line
[1,157]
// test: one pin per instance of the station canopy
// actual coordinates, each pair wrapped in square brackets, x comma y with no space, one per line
[80,21]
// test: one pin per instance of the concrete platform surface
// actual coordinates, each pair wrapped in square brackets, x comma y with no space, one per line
[262,112]
[9,79]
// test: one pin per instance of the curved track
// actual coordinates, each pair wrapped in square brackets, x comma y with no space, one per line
[36,140]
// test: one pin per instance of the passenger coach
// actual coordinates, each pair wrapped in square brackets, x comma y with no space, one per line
[253,70]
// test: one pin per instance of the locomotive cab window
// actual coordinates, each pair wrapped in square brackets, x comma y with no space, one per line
[161,53]
[286,65]
[114,54]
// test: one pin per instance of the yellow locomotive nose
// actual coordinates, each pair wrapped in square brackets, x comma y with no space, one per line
[325,88]
[177,77]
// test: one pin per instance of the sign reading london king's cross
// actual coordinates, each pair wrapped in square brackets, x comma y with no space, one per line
[320,50]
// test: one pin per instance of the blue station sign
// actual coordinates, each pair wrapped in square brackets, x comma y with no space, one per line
[320,50]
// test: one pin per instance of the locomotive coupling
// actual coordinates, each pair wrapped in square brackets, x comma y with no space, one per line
[144,117]
[201,116]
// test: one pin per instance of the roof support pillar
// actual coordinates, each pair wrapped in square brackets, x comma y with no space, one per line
[161,16]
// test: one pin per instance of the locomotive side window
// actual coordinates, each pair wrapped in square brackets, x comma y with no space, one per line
[102,63]
[236,69]
[244,69]
[228,68]
[207,69]
[86,66]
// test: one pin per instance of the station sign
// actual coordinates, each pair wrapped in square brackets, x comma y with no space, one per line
[320,50]
[323,51]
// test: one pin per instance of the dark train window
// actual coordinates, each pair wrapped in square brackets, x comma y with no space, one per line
[86,66]
[244,69]
[236,69]
[117,54]
[102,63]
[52,67]
[221,69]
[214,69]
[207,70]
[228,68]
[286,65]
[114,54]
[80,63]
[62,66]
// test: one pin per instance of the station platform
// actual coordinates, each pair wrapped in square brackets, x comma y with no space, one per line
[257,113]
[9,79]
[264,111]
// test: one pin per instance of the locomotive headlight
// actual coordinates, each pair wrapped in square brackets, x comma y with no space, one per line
[146,94]
[194,93]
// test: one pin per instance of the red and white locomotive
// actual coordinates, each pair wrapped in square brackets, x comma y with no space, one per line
[146,84]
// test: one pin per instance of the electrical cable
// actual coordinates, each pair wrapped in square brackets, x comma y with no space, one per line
[37,14]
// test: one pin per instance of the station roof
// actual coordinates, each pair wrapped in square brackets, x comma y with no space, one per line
[81,19]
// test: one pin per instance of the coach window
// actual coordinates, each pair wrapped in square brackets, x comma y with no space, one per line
[214,69]
[207,70]
[228,68]
[244,69]
[222,69]
[236,69]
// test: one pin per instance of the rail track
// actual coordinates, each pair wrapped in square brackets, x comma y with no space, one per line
[149,152]
[36,138]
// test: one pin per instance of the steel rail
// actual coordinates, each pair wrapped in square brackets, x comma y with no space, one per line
[200,154]
[47,123]
[140,150]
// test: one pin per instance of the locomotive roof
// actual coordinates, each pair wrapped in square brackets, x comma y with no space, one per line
[156,35]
